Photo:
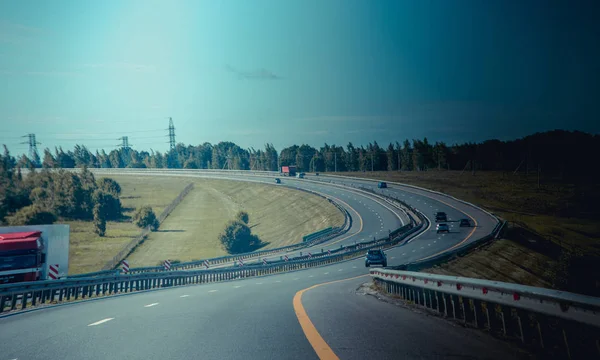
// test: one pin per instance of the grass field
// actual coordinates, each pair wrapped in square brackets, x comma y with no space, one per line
[278,215]
[544,221]
[89,252]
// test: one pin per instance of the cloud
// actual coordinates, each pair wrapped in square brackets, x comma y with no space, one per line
[121,66]
[260,74]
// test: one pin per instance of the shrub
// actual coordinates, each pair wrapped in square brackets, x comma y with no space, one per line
[145,217]
[109,204]
[243,217]
[99,220]
[110,186]
[32,215]
[237,238]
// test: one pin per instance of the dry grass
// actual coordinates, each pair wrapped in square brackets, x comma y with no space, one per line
[88,252]
[278,215]
[556,216]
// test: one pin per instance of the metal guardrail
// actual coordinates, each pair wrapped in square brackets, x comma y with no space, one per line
[557,322]
[21,295]
[323,237]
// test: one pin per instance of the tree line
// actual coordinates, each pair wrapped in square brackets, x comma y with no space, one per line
[42,197]
[555,152]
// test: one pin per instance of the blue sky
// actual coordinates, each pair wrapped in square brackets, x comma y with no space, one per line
[286,72]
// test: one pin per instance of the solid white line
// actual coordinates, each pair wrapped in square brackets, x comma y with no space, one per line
[184,295]
[100,322]
[213,290]
[150,305]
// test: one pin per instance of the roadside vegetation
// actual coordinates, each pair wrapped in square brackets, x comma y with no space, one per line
[553,239]
[237,237]
[278,216]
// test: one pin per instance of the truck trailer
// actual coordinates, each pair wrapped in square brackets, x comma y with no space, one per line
[288,170]
[32,253]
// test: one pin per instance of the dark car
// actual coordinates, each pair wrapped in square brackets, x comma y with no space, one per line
[441,216]
[277,181]
[465,223]
[376,257]
[382,185]
[442,228]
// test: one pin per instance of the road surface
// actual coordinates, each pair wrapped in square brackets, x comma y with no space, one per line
[266,317]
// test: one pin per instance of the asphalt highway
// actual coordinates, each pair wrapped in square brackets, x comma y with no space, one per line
[271,317]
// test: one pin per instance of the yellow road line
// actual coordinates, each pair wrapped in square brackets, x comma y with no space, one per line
[323,350]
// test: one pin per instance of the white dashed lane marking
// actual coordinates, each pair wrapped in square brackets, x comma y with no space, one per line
[151,305]
[237,286]
[184,295]
[340,269]
[326,273]
[101,322]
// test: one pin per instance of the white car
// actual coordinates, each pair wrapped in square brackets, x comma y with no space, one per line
[442,228]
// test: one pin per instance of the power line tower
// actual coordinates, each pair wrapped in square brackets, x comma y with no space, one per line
[33,154]
[124,142]
[171,134]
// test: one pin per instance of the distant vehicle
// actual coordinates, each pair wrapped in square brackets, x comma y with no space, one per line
[288,170]
[376,257]
[440,216]
[465,223]
[442,228]
[300,176]
[382,185]
[316,174]
[277,181]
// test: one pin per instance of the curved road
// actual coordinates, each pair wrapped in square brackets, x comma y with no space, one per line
[299,315]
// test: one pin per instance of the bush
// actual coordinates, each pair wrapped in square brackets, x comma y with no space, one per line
[145,217]
[109,204]
[99,220]
[110,186]
[243,217]
[237,238]
[32,215]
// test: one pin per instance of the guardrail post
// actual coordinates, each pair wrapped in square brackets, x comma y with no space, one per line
[453,306]
[24,299]
[13,301]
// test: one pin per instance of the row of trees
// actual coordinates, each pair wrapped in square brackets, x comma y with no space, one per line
[558,152]
[43,196]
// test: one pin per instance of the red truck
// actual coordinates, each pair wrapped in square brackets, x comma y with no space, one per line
[30,253]
[288,170]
